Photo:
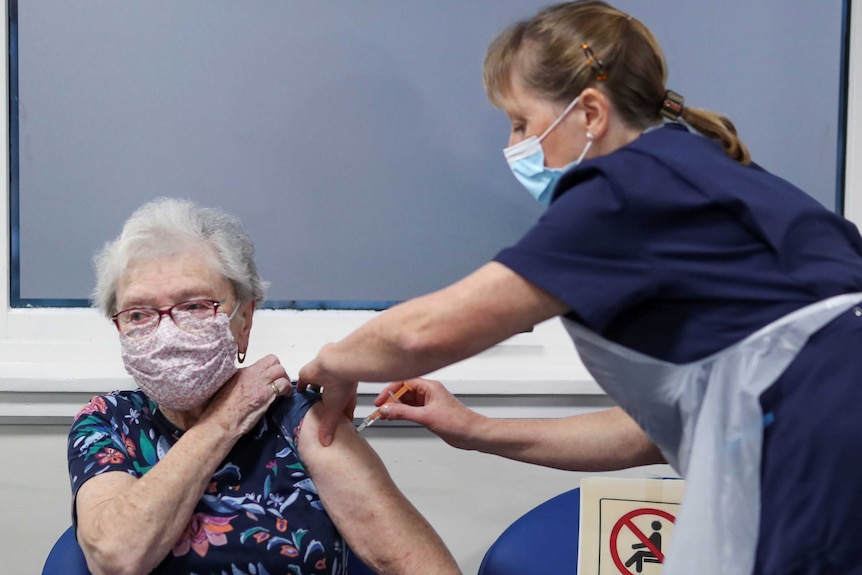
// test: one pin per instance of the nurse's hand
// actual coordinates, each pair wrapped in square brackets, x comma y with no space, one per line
[431,405]
[338,398]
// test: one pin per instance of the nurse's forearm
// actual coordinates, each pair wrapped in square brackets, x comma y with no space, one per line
[430,332]
[602,441]
[396,345]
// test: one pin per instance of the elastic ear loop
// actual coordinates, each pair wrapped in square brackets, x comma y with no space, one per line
[240,355]
[560,118]
[589,145]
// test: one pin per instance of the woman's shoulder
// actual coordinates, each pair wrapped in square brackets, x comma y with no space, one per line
[114,431]
[134,402]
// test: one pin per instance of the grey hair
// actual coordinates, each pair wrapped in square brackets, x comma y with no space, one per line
[168,226]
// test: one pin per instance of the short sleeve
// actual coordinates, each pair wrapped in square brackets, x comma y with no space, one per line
[589,250]
[670,247]
[112,433]
[97,443]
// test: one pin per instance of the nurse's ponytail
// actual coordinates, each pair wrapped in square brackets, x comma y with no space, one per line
[719,128]
[568,47]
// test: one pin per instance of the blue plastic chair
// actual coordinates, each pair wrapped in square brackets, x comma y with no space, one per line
[66,558]
[543,540]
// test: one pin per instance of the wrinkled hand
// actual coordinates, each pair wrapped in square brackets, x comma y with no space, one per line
[338,398]
[431,405]
[243,400]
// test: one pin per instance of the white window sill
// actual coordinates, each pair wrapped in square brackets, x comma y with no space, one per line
[59,358]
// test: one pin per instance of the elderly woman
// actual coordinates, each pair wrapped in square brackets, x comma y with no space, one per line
[208,468]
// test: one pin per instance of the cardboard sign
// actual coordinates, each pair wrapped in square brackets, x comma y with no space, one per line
[626,524]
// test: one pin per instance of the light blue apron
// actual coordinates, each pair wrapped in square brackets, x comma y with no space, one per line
[706,418]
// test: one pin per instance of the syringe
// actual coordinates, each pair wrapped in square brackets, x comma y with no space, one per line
[393,398]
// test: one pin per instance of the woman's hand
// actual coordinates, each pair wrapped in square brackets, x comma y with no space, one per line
[431,405]
[243,400]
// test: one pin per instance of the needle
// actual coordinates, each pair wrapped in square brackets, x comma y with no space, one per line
[393,398]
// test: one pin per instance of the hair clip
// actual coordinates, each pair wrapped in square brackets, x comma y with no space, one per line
[672,106]
[596,64]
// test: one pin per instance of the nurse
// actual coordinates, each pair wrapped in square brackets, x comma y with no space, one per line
[714,301]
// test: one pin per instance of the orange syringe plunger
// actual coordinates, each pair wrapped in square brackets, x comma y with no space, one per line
[393,398]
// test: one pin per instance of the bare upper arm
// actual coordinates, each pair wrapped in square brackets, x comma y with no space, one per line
[498,289]
[365,504]
[486,307]
[347,468]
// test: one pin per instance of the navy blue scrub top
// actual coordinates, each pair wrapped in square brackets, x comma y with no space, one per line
[671,248]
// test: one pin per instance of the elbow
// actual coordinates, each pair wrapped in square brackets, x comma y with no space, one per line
[417,329]
[424,347]
[642,451]
[105,565]
[653,455]
[110,557]
[413,342]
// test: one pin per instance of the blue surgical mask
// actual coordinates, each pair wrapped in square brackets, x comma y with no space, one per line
[527,161]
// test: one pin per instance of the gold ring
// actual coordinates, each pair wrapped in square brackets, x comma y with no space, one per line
[274,388]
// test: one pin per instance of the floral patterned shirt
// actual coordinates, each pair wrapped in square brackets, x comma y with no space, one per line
[260,514]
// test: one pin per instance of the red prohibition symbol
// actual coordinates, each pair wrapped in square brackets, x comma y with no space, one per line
[626,521]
